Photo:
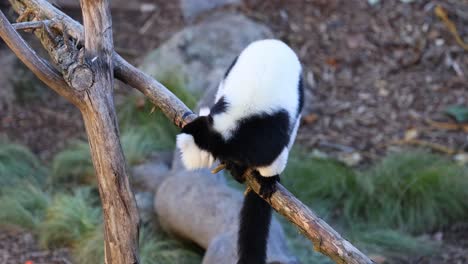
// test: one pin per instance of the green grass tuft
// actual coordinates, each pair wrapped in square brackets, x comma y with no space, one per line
[413,191]
[73,165]
[158,248]
[155,248]
[18,164]
[137,146]
[23,206]
[319,182]
[153,126]
[69,218]
[391,243]
[380,208]
[90,248]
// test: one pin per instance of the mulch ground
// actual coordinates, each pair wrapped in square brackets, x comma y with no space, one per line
[375,72]
[19,247]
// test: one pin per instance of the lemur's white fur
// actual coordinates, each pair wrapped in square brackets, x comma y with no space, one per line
[277,166]
[259,82]
[293,135]
[192,156]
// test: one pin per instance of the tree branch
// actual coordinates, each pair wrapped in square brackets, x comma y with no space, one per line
[325,239]
[159,95]
[121,219]
[30,25]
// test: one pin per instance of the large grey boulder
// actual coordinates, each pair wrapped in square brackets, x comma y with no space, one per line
[193,8]
[200,54]
[200,207]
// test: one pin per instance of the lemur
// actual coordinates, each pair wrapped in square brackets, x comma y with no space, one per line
[252,125]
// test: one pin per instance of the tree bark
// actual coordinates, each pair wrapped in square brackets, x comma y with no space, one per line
[121,220]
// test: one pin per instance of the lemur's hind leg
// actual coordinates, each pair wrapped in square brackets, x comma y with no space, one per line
[267,184]
[237,171]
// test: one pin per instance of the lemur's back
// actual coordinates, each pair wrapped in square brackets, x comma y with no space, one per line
[263,79]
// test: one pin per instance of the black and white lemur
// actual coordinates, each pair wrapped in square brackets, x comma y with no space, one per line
[252,124]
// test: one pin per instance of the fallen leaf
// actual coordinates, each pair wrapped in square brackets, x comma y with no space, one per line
[457,112]
[411,134]
[332,62]
[311,118]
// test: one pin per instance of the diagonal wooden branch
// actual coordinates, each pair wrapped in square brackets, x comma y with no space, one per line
[30,25]
[159,95]
[325,239]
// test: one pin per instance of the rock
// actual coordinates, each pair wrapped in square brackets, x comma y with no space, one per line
[196,206]
[200,54]
[200,207]
[223,248]
[144,202]
[148,176]
[192,8]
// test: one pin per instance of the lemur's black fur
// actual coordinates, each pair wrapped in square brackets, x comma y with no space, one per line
[258,140]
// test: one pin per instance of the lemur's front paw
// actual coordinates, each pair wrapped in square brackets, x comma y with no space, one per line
[267,185]
[237,171]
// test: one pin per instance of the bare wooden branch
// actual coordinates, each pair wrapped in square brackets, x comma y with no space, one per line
[159,95]
[121,219]
[30,25]
[101,126]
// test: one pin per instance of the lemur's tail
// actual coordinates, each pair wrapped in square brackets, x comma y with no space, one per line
[255,218]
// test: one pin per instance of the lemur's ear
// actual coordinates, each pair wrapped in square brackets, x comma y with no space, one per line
[204,111]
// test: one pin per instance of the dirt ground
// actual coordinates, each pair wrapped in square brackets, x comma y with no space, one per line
[18,247]
[377,72]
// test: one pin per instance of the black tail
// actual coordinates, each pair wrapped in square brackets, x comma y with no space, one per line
[255,218]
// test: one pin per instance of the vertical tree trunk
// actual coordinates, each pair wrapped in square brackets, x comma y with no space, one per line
[121,221]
